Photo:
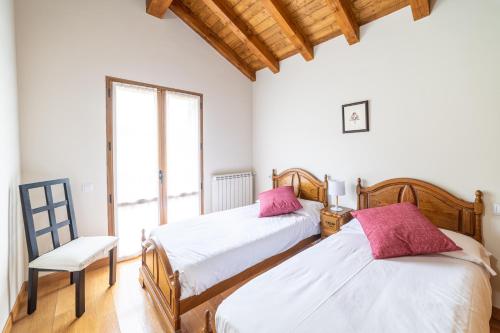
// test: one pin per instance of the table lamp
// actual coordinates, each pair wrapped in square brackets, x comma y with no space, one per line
[338,190]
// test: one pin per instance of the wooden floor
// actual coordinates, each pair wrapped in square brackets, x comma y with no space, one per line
[495,326]
[125,307]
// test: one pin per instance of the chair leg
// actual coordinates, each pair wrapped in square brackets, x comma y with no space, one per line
[32,289]
[71,277]
[112,266]
[79,278]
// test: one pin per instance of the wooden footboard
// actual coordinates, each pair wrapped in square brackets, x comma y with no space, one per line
[162,284]
[207,325]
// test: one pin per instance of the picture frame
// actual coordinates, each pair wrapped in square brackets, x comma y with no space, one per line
[355,117]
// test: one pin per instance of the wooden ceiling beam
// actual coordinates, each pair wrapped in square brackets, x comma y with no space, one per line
[291,30]
[420,8]
[240,28]
[345,19]
[157,8]
[185,14]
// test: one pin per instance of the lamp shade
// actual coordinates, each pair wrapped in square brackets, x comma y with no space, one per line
[338,188]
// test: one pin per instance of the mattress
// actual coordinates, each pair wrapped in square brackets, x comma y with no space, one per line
[337,286]
[214,247]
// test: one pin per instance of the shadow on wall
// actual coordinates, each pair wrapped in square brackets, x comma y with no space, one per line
[16,245]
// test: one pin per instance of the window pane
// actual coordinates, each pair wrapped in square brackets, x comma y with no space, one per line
[183,155]
[136,142]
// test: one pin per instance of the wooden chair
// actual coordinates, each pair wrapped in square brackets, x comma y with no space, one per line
[73,256]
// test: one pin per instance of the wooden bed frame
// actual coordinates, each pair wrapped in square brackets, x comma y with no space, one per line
[162,282]
[442,208]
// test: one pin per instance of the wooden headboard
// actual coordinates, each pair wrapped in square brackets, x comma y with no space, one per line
[440,207]
[306,185]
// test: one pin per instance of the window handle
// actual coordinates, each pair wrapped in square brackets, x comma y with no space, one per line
[160,176]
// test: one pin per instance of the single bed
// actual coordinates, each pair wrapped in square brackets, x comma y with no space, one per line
[185,264]
[337,286]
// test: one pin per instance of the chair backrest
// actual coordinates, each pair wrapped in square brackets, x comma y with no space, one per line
[54,226]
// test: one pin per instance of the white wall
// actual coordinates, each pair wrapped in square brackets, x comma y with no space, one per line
[434,97]
[11,232]
[65,50]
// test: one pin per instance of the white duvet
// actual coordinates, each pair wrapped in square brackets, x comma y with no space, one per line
[214,247]
[337,286]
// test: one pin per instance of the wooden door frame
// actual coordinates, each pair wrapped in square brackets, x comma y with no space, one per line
[161,147]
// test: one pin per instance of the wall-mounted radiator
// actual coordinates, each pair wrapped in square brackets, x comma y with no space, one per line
[232,190]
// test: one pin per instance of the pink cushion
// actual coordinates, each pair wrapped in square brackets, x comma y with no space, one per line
[278,201]
[402,230]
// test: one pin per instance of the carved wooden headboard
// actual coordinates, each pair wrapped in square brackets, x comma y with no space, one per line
[440,207]
[306,185]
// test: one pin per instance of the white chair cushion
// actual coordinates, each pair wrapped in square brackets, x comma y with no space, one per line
[75,255]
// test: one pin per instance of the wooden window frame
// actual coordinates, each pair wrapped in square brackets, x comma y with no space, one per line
[161,90]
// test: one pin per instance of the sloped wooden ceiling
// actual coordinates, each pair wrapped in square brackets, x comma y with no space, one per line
[255,34]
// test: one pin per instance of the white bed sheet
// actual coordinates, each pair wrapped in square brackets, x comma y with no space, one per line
[214,247]
[337,286]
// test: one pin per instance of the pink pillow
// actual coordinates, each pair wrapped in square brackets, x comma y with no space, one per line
[402,230]
[278,201]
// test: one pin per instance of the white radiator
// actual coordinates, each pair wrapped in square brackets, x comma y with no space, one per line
[232,190]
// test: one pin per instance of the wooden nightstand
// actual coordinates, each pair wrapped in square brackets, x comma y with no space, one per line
[332,221]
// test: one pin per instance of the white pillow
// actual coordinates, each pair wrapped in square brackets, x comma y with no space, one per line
[472,250]
[352,227]
[310,208]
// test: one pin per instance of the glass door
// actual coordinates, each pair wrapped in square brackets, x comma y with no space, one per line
[155,159]
[183,156]
[136,164]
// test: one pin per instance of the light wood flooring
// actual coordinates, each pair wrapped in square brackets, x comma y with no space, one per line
[125,307]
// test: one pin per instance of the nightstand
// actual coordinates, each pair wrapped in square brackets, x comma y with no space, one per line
[332,221]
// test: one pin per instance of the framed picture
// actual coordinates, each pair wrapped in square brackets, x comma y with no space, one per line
[355,117]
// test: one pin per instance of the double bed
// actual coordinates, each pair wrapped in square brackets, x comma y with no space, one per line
[187,263]
[337,285]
